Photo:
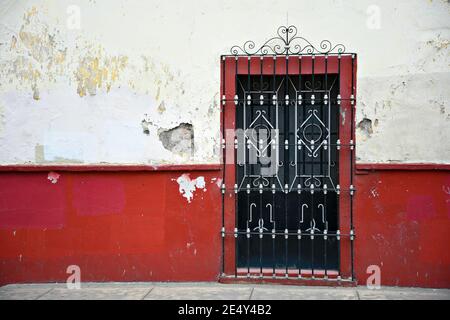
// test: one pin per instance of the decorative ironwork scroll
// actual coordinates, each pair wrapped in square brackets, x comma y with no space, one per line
[287,42]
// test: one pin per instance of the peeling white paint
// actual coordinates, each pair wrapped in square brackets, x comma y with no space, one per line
[403,76]
[187,186]
[53,177]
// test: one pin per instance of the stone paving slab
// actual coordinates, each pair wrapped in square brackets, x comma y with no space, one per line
[23,293]
[199,293]
[93,293]
[304,293]
[210,291]
[403,294]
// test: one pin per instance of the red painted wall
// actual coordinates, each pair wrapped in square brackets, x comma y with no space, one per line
[136,226]
[117,226]
[402,221]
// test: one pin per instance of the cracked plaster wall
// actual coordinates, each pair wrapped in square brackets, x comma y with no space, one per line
[105,92]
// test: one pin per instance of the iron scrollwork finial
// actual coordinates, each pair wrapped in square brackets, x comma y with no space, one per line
[287,42]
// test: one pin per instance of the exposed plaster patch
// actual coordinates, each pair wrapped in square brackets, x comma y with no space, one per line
[39,153]
[161,108]
[146,126]
[53,177]
[187,186]
[365,127]
[217,181]
[179,140]
[35,54]
[97,71]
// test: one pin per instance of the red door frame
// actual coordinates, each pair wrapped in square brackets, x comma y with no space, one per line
[342,64]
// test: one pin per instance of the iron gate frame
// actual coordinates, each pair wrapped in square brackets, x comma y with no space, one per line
[284,55]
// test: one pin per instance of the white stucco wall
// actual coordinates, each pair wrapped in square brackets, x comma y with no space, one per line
[72,96]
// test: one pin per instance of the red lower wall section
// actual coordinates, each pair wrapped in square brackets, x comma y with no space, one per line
[136,226]
[116,226]
[402,220]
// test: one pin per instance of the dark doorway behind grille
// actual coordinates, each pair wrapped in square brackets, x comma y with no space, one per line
[276,213]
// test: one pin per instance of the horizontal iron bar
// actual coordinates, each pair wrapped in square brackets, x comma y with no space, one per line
[277,189]
[291,144]
[282,100]
[282,233]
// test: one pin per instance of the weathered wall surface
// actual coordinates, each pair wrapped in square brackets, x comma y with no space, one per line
[110,225]
[402,221]
[137,82]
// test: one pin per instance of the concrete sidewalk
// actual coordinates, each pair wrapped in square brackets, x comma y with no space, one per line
[211,291]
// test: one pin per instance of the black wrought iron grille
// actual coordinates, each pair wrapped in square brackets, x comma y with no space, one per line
[287,163]
[282,215]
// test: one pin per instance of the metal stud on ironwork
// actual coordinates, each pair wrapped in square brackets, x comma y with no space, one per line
[299,144]
[312,144]
[236,98]
[223,100]
[286,188]
[312,233]
[260,232]
[338,235]
[299,234]
[248,189]
[311,187]
[325,144]
[223,143]
[287,99]
[274,99]
[261,99]
[248,144]
[338,144]
[260,188]
[235,143]
[223,232]
[299,99]
[236,188]
[325,232]
[339,99]
[325,99]
[338,189]
[286,144]
[235,232]
[352,190]
[273,233]
[352,235]
[325,189]
[299,188]
[313,97]
[352,101]
[249,99]
[286,233]
[273,188]
[352,146]
[223,188]
[248,233]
